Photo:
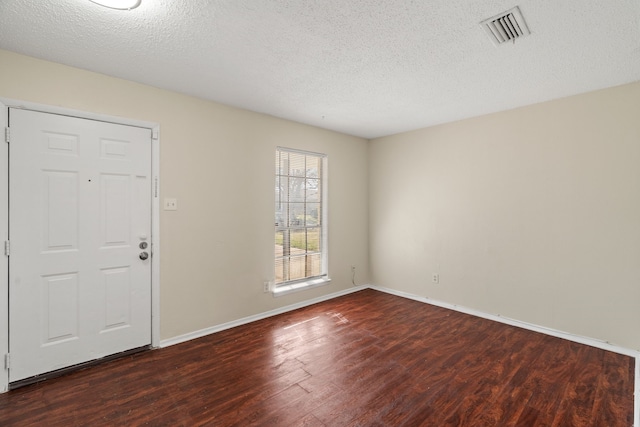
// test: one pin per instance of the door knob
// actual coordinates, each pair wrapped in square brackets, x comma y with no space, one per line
[144,255]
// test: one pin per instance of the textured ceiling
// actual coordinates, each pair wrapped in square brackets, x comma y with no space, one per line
[363,67]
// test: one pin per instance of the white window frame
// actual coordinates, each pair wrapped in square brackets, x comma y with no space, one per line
[287,287]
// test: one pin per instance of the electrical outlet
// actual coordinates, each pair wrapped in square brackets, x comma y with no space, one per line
[435,278]
[267,287]
[353,268]
[170,204]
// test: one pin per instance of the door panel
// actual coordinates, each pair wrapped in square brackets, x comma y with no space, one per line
[80,204]
[60,308]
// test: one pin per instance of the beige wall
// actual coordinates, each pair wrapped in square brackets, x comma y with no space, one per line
[218,161]
[533,214]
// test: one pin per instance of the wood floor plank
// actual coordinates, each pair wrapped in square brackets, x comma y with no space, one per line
[365,359]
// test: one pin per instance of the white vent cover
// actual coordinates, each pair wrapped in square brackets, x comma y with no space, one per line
[507,26]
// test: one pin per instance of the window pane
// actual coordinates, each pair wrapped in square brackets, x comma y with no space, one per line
[282,163]
[282,215]
[313,166]
[314,265]
[313,190]
[312,214]
[281,276]
[297,189]
[298,242]
[297,267]
[313,239]
[296,214]
[296,164]
[279,243]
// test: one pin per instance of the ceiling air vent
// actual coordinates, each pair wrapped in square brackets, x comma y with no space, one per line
[507,26]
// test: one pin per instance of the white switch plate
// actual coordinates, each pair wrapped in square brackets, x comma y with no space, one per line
[170,204]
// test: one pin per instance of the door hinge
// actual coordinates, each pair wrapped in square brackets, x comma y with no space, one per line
[7,248]
[7,361]
[7,135]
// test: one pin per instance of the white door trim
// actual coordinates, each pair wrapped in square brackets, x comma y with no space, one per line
[4,234]
[5,104]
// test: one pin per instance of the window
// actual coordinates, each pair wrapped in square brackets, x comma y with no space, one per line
[300,228]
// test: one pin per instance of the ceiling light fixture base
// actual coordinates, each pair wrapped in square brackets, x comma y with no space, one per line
[118,4]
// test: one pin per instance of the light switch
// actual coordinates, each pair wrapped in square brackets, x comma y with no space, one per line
[170,204]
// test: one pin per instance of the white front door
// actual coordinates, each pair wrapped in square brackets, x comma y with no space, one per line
[79,220]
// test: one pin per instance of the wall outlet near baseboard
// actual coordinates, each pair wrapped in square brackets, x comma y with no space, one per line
[266,287]
[435,278]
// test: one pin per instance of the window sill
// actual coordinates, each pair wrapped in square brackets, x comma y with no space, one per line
[300,286]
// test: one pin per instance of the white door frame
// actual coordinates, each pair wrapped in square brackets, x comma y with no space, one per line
[5,104]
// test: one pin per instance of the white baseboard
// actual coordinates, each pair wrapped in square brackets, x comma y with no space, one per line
[536,328]
[217,328]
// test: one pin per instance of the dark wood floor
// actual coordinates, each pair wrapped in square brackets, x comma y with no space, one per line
[365,359]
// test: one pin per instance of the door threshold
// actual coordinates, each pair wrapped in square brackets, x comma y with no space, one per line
[70,369]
